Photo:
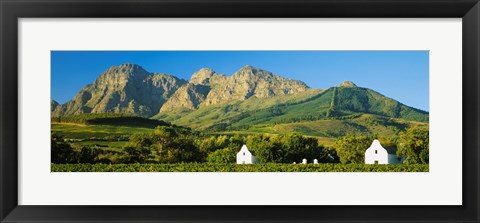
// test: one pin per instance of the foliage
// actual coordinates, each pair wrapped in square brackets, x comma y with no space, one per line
[226,155]
[286,148]
[64,152]
[216,167]
[297,148]
[413,144]
[61,152]
[168,144]
[138,149]
[88,155]
[165,145]
[351,148]
[268,149]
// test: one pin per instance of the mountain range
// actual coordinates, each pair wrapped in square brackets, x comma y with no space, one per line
[129,88]
[249,97]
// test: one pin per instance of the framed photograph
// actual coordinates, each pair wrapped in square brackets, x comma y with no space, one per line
[227,111]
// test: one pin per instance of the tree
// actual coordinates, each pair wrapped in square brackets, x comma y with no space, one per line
[138,149]
[61,152]
[236,142]
[137,154]
[87,155]
[165,145]
[177,150]
[332,156]
[267,148]
[207,145]
[226,155]
[351,148]
[413,144]
[297,147]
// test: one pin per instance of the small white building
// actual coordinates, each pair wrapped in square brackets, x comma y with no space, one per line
[245,156]
[376,154]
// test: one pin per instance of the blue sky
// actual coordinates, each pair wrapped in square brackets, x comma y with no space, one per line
[401,75]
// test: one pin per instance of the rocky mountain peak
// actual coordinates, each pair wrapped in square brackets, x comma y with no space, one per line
[127,69]
[250,82]
[202,76]
[248,73]
[128,88]
[248,68]
[53,104]
[117,77]
[347,84]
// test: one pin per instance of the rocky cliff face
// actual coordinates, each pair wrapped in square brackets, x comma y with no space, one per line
[250,82]
[209,88]
[129,88]
[189,96]
[56,108]
[53,105]
[202,76]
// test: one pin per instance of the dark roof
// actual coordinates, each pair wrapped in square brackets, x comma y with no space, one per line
[392,150]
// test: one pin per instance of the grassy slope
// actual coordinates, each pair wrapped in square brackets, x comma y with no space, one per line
[101,136]
[331,113]
[324,115]
[251,111]
[363,100]
[79,131]
[327,130]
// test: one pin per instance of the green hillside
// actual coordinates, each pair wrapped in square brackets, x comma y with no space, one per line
[334,112]
[237,113]
[348,100]
[332,128]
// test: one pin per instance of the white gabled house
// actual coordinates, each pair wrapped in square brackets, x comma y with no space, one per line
[245,156]
[376,154]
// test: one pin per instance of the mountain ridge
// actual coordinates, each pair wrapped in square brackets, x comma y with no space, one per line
[250,95]
[129,88]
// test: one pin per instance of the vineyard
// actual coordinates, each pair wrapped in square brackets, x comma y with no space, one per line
[213,167]
[115,119]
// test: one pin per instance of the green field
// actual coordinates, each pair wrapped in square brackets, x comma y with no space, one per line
[106,137]
[127,147]
[80,131]
[112,145]
[209,167]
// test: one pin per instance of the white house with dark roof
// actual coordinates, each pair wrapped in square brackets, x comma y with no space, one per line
[376,154]
[245,156]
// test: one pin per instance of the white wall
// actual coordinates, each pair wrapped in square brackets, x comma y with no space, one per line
[244,156]
[376,153]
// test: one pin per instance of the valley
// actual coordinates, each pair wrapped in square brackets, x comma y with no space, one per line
[213,114]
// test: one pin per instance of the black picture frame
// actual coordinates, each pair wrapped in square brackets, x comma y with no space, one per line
[12,10]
